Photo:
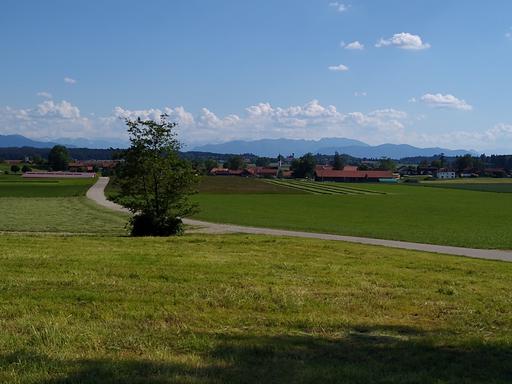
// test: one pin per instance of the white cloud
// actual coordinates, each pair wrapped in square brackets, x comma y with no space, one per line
[340,7]
[338,68]
[48,119]
[439,100]
[355,46]
[360,94]
[63,110]
[403,41]
[46,95]
[69,80]
[313,120]
[508,35]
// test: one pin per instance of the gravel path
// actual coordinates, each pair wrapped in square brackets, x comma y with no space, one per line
[96,193]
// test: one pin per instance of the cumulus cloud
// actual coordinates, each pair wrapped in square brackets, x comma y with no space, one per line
[69,80]
[62,110]
[508,35]
[439,100]
[403,40]
[354,46]
[338,68]
[46,95]
[340,7]
[313,120]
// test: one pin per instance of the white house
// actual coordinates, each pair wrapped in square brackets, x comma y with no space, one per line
[445,174]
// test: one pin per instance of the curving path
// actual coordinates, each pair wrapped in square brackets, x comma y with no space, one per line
[96,193]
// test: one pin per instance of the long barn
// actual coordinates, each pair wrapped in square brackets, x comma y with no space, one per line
[351,175]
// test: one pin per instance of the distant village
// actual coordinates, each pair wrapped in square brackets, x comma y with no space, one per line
[333,168]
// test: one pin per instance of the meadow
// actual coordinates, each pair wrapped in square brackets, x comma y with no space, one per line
[16,186]
[53,205]
[417,213]
[80,302]
[248,309]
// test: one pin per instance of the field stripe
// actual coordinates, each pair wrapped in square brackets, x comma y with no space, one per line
[316,187]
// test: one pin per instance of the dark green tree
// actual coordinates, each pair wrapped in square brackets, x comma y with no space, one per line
[263,161]
[26,168]
[338,162]
[304,166]
[464,162]
[387,164]
[15,168]
[155,183]
[209,164]
[437,163]
[58,158]
[235,162]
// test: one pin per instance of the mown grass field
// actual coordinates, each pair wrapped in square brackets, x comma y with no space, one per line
[487,187]
[248,309]
[53,205]
[400,212]
[16,186]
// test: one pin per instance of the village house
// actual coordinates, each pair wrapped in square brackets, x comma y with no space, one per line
[445,173]
[352,174]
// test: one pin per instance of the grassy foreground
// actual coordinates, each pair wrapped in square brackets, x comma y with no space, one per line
[249,309]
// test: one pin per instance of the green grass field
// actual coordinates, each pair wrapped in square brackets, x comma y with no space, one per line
[54,205]
[106,308]
[248,309]
[488,187]
[16,186]
[399,212]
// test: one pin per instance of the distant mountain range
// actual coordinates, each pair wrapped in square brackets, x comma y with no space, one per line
[22,141]
[264,147]
[327,146]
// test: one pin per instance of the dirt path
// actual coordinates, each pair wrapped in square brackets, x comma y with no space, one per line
[97,193]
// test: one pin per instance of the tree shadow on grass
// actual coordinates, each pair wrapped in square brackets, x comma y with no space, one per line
[366,355]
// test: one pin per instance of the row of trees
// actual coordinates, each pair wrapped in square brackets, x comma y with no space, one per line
[305,166]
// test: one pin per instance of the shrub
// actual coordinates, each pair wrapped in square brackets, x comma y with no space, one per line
[151,225]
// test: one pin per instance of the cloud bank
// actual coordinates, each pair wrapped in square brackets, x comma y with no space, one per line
[52,119]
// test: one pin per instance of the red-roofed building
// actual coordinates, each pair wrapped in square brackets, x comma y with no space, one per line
[229,172]
[351,175]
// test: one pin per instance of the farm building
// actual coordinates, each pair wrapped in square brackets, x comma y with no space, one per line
[229,172]
[445,173]
[65,175]
[351,175]
[267,172]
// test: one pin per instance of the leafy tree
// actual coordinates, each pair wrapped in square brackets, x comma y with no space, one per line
[338,162]
[263,161]
[155,183]
[58,158]
[387,164]
[437,163]
[209,164]
[26,168]
[235,162]
[363,167]
[15,168]
[304,166]
[464,162]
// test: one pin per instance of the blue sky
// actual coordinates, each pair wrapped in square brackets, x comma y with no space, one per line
[420,72]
